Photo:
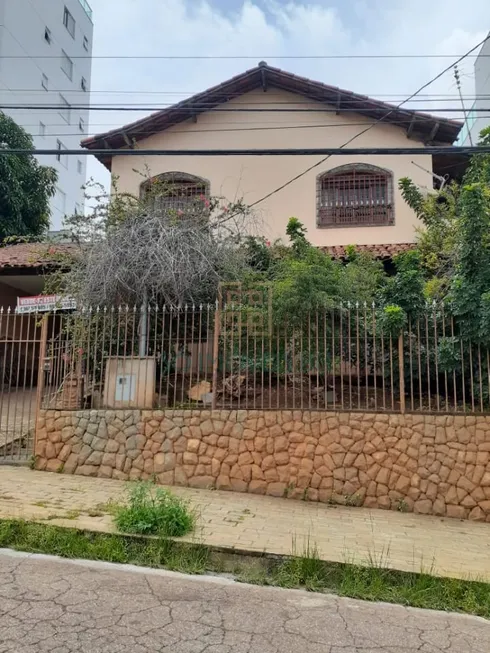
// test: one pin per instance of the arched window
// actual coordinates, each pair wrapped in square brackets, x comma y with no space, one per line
[175,190]
[355,195]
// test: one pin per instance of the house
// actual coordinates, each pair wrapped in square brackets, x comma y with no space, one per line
[345,199]
[23,267]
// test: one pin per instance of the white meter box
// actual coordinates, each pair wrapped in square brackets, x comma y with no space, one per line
[129,382]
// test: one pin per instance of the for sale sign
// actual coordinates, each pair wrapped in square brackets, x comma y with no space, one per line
[44,304]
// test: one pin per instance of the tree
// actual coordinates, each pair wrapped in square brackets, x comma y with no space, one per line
[453,270]
[158,248]
[25,186]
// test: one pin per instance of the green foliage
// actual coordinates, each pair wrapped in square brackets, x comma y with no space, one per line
[438,212]
[406,287]
[25,186]
[154,510]
[305,279]
[392,320]
[258,254]
[297,235]
[307,283]
[472,278]
[449,354]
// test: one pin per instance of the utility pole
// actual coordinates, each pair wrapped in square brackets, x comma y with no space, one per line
[458,85]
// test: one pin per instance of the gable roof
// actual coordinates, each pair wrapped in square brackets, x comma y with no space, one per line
[419,126]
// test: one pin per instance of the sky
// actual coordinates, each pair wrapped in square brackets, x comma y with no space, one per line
[274,30]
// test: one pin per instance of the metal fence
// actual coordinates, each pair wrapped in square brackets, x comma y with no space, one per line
[20,348]
[348,358]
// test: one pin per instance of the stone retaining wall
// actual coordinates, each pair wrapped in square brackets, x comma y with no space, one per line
[423,463]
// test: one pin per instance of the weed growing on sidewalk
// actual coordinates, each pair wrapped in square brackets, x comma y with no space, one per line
[304,570]
[154,510]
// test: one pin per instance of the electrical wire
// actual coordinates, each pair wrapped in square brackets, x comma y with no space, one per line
[310,151]
[440,97]
[197,57]
[226,130]
[364,131]
[212,107]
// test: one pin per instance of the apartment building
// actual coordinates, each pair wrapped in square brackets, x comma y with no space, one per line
[45,70]
[478,117]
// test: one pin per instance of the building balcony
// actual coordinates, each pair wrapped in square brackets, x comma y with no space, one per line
[87,8]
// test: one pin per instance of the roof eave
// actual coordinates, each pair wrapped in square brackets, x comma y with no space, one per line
[418,126]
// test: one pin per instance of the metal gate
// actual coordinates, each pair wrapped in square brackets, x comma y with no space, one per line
[20,352]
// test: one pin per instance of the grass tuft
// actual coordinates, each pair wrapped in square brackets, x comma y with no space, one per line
[154,510]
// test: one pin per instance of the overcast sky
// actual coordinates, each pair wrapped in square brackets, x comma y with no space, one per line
[270,29]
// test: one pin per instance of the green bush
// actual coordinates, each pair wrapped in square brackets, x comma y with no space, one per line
[154,511]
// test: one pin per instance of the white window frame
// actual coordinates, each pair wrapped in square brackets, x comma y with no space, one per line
[65,106]
[83,84]
[85,43]
[44,82]
[69,22]
[62,198]
[42,129]
[60,157]
[66,65]
[79,167]
[81,125]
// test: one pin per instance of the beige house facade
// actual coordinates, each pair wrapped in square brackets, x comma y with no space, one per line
[348,199]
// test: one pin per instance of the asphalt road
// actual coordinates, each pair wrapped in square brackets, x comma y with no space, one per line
[60,606]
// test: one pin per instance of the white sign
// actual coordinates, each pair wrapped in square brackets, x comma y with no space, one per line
[44,303]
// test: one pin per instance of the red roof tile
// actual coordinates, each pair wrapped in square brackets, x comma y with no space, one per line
[378,251]
[31,255]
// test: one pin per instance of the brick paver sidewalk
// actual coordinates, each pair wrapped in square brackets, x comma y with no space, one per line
[447,547]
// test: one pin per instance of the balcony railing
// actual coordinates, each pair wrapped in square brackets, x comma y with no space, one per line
[87,8]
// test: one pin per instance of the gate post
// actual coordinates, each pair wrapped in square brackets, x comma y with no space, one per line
[40,373]
[217,326]
[401,368]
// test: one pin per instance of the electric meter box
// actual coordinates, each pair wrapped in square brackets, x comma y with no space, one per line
[129,382]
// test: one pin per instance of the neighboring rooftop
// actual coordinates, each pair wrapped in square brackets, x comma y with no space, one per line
[40,255]
[31,255]
[418,126]
[383,252]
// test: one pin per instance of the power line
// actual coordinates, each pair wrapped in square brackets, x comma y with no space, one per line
[213,107]
[275,125]
[229,129]
[192,57]
[311,151]
[364,131]
[373,96]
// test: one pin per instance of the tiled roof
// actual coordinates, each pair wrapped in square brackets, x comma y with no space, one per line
[420,126]
[37,255]
[378,251]
[31,255]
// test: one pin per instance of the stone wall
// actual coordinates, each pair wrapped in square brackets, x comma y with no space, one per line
[423,463]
